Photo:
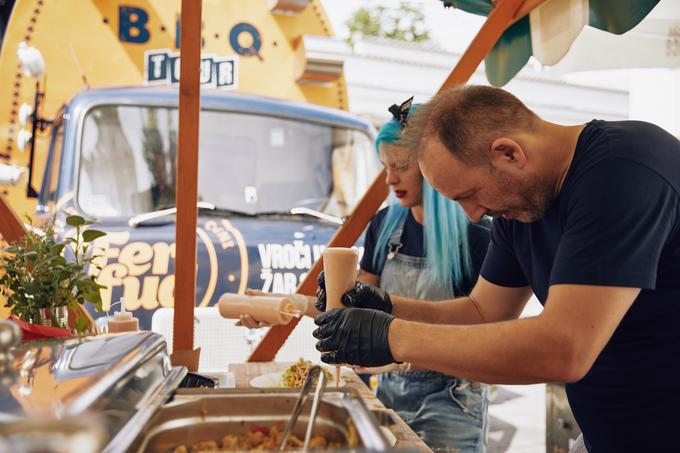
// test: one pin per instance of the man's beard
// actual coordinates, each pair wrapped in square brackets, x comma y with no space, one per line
[531,197]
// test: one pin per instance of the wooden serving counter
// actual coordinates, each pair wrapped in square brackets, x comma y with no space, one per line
[406,438]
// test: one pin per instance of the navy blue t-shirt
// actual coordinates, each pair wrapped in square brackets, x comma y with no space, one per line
[616,222]
[412,245]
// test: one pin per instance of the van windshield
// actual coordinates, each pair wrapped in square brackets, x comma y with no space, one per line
[248,163]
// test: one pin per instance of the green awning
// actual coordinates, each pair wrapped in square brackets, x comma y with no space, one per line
[513,49]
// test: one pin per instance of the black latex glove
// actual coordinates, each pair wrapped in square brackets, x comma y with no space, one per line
[354,336]
[364,295]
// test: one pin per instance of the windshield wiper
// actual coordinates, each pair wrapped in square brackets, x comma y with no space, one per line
[318,214]
[139,219]
[302,211]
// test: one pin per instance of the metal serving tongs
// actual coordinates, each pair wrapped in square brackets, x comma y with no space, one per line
[314,372]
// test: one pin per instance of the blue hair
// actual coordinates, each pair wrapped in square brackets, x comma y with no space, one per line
[445,238]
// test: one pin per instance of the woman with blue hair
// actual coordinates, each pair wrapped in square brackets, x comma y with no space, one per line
[423,246]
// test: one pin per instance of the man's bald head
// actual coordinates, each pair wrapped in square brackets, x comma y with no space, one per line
[467,120]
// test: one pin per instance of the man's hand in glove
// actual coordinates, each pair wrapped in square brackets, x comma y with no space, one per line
[363,295]
[354,336]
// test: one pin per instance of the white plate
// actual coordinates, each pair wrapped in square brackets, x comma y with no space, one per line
[273,380]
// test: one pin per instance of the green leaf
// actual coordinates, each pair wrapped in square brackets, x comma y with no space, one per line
[91,235]
[93,297]
[75,220]
[82,323]
[30,255]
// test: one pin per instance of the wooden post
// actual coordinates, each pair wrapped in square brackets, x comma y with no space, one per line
[187,175]
[345,236]
[11,228]
[501,17]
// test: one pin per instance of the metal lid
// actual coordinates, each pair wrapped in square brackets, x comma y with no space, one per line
[108,377]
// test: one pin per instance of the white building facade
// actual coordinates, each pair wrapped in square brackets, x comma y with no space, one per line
[380,73]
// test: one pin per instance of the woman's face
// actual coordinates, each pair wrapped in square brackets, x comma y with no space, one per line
[403,178]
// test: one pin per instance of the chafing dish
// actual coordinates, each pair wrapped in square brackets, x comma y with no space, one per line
[209,414]
[119,393]
[78,394]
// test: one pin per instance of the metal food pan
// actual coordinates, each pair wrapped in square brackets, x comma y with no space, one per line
[196,415]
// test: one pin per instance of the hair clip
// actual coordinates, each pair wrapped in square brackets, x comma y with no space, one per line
[400,112]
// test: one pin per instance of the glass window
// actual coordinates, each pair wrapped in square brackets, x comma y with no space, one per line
[249,163]
[48,191]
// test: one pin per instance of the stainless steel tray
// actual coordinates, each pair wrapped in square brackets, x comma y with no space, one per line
[112,383]
[196,415]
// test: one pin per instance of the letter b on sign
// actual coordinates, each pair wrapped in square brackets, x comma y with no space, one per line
[132,25]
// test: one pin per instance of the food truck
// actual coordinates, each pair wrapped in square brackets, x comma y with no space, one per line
[92,130]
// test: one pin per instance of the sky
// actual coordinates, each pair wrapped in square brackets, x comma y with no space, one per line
[450,28]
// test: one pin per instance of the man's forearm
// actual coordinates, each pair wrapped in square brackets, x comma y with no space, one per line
[521,351]
[462,310]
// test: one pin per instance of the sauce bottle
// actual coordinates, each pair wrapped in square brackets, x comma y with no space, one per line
[123,321]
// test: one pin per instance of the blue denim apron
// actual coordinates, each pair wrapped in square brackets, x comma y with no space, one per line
[448,413]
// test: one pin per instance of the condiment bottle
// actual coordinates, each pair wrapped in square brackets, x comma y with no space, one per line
[273,310]
[123,321]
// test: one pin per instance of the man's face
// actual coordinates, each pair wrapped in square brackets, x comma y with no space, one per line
[485,189]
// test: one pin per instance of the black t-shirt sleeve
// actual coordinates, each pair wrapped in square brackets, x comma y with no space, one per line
[618,219]
[500,264]
[478,240]
[479,237]
[370,239]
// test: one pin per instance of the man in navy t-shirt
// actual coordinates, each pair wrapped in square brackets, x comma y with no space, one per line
[587,218]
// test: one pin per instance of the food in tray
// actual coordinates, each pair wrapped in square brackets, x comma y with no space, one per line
[263,438]
[295,375]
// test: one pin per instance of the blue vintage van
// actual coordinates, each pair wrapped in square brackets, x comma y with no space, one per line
[275,180]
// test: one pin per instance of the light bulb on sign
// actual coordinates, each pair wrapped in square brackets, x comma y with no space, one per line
[23,139]
[31,60]
[25,112]
[10,174]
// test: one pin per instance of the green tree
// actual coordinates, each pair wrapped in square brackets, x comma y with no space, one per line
[403,23]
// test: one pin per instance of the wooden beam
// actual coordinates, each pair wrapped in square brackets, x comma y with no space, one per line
[501,17]
[11,228]
[187,176]
[345,236]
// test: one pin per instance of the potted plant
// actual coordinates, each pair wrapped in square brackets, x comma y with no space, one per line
[42,277]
